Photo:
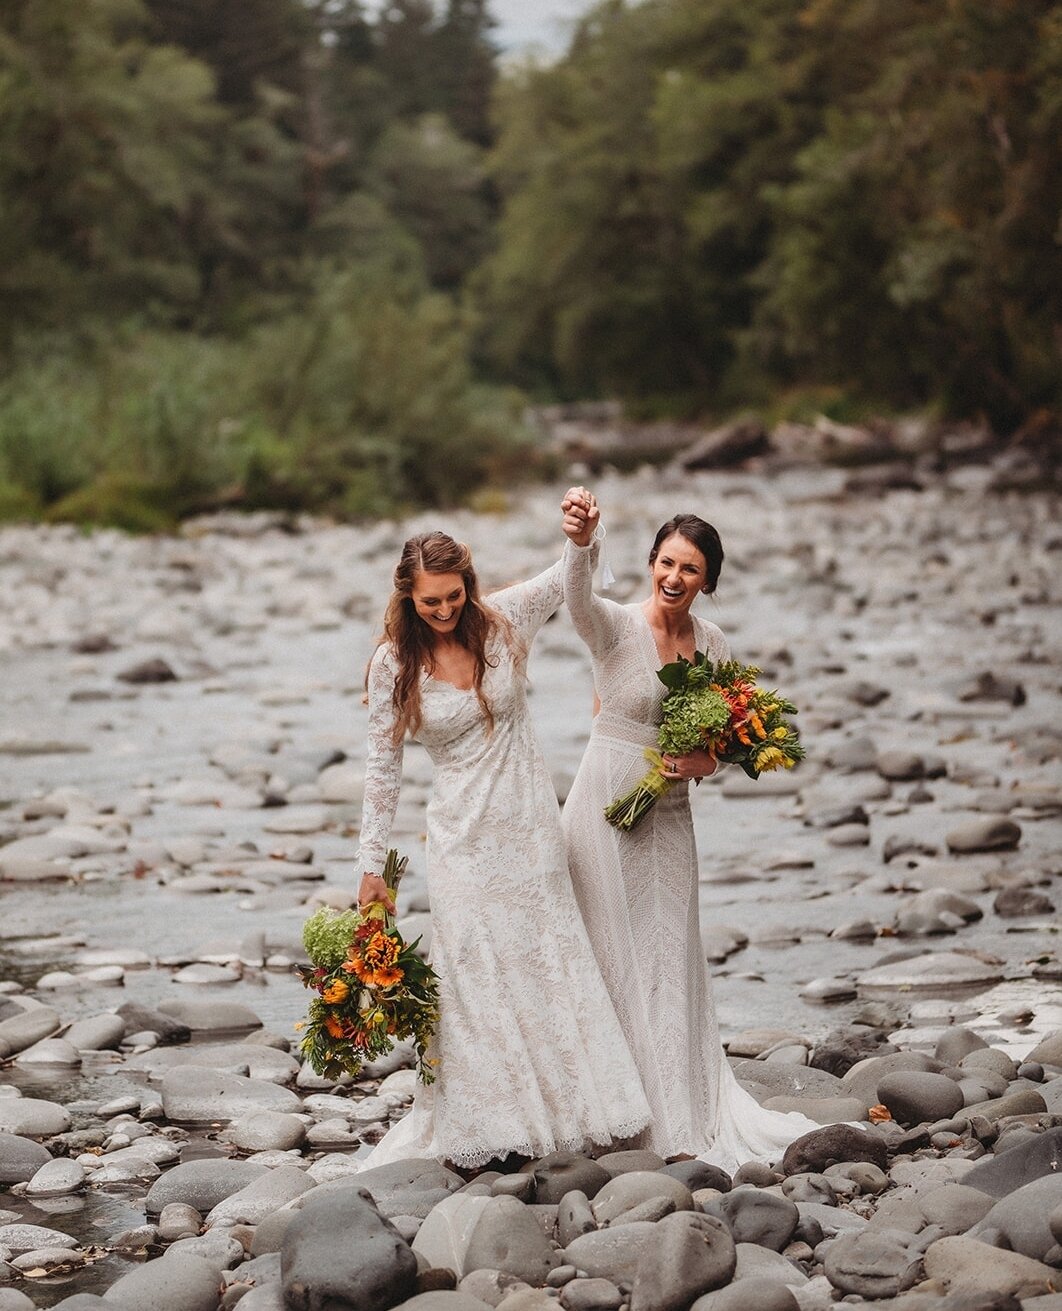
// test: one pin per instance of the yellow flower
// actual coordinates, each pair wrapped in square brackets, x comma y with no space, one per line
[780,734]
[769,758]
[336,992]
[299,1025]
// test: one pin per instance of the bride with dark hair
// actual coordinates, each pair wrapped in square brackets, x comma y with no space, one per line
[530,1054]
[638,891]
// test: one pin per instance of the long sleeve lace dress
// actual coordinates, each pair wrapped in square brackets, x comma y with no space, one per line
[638,895]
[531,1055]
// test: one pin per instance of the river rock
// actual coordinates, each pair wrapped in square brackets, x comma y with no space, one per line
[627,1162]
[442,1240]
[966,1264]
[692,1255]
[155,670]
[937,969]
[26,1238]
[699,1174]
[957,1042]
[873,1264]
[211,1016]
[142,1019]
[611,1253]
[340,1254]
[915,1097]
[750,1295]
[560,1173]
[177,1281]
[31,1117]
[20,1158]
[96,1033]
[194,1095]
[178,1220]
[17,1032]
[263,1062]
[56,1178]
[755,1216]
[591,1295]
[261,1197]
[1048,1051]
[627,1191]
[51,1051]
[1022,1101]
[991,833]
[506,1236]
[202,1184]
[411,1187]
[954,1208]
[265,1131]
[1022,1217]
[813,1152]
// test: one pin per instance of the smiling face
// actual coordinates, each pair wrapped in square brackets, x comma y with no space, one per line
[678,573]
[438,600]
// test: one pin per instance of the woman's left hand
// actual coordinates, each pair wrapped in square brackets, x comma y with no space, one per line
[693,765]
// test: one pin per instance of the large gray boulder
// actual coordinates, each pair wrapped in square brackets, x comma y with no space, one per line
[341,1254]
[410,1187]
[261,1197]
[874,1264]
[564,1172]
[193,1094]
[177,1281]
[508,1237]
[627,1191]
[919,1097]
[1022,1217]
[20,1158]
[611,1253]
[202,1184]
[755,1216]
[964,1264]
[1002,1174]
[691,1255]
[813,1152]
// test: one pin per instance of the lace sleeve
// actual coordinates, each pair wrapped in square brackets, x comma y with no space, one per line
[595,620]
[383,768]
[528,605]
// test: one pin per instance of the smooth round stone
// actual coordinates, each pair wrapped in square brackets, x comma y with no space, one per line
[626,1162]
[919,1097]
[11,1299]
[900,766]
[210,1016]
[48,1258]
[265,1131]
[178,1220]
[990,1058]
[339,1251]
[992,833]
[507,1236]
[932,970]
[813,1152]
[202,1184]
[261,1198]
[206,974]
[20,1158]
[56,1178]
[1023,1217]
[103,975]
[20,1031]
[823,1110]
[1048,1051]
[56,980]
[32,1117]
[955,1208]
[627,1191]
[755,1216]
[261,1061]
[828,990]
[752,1294]
[611,1253]
[96,1033]
[177,1281]
[561,1173]
[957,1042]
[52,1051]
[591,1295]
[692,1255]
[194,1095]
[699,1174]
[25,1237]
[964,1264]
[874,1264]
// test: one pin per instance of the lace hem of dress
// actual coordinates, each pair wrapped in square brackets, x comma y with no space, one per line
[473,1156]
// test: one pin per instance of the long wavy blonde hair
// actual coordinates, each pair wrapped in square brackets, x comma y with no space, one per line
[412,642]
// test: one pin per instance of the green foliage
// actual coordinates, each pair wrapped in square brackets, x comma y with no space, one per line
[688,718]
[115,500]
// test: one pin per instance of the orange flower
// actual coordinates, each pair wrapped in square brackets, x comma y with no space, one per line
[336,992]
[373,961]
[333,1026]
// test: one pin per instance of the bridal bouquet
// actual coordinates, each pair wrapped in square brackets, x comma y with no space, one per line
[372,987]
[719,707]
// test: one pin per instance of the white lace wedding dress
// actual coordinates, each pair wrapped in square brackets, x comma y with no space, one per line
[531,1055]
[638,895]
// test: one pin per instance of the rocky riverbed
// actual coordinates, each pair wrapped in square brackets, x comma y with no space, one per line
[180,781]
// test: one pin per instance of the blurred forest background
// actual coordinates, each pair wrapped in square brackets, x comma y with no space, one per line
[310,254]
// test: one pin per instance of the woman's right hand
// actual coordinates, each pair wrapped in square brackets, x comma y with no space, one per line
[580,515]
[374,889]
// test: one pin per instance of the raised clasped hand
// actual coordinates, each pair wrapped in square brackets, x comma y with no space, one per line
[581,515]
[694,765]
[374,889]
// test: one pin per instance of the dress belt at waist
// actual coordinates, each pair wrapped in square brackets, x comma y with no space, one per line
[621,729]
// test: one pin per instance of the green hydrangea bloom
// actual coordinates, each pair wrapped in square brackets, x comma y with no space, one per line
[327,934]
[688,716]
